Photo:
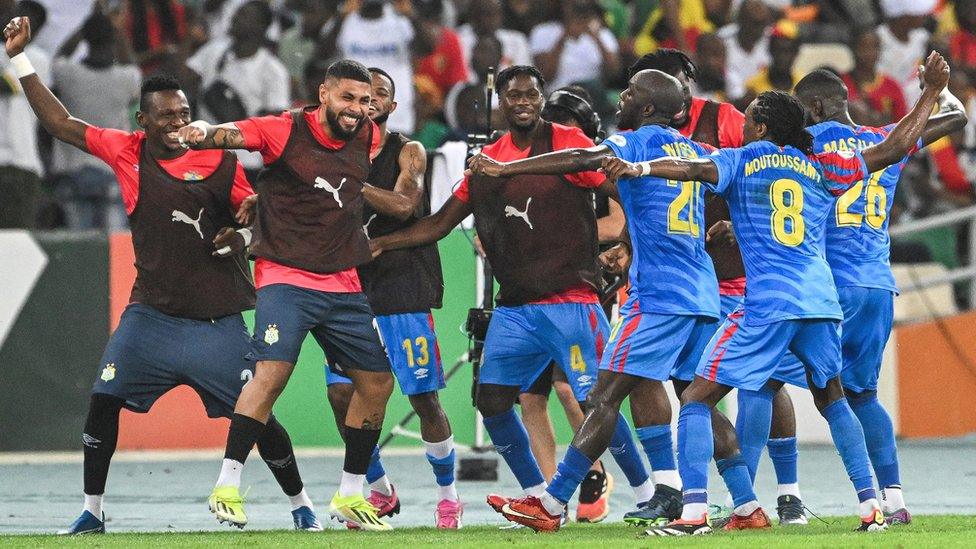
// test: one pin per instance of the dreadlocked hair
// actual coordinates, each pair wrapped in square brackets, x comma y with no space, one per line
[783,116]
[667,60]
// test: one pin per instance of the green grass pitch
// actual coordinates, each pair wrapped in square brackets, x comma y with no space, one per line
[925,531]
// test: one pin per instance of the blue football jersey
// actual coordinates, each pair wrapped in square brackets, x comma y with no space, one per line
[857,232]
[671,271]
[780,199]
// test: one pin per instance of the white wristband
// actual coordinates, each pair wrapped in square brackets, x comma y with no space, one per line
[645,168]
[246,233]
[22,65]
[200,125]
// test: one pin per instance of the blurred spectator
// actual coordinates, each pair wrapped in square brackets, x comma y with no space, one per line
[64,18]
[962,41]
[100,89]
[313,76]
[746,45]
[485,18]
[676,24]
[576,49]
[379,34]
[157,29]
[20,162]
[778,76]
[904,42]
[298,44]
[711,82]
[876,99]
[446,65]
[464,107]
[521,16]
[239,77]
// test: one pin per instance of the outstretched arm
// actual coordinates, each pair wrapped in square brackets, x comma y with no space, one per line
[405,197]
[904,136]
[669,167]
[52,114]
[203,135]
[426,231]
[950,118]
[554,163]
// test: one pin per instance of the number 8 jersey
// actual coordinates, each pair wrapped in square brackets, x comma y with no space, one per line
[780,199]
[858,246]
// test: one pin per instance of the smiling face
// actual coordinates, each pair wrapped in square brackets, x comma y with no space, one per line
[346,104]
[381,102]
[521,102]
[166,112]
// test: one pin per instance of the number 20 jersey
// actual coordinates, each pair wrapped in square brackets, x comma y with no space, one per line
[858,246]
[779,199]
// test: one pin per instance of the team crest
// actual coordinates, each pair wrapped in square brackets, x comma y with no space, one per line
[271,334]
[108,373]
[192,176]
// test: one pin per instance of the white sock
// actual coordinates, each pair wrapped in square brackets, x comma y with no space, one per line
[668,478]
[447,492]
[746,508]
[442,449]
[788,490]
[553,506]
[230,473]
[644,492]
[729,502]
[382,485]
[301,500]
[93,504]
[867,507]
[536,490]
[693,511]
[351,485]
[892,499]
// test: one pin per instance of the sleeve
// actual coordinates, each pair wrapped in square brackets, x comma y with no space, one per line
[841,169]
[624,146]
[574,138]
[730,122]
[106,143]
[266,134]
[241,188]
[727,164]
[461,193]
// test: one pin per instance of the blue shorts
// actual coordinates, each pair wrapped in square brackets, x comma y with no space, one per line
[411,344]
[341,323]
[868,315]
[790,369]
[746,357]
[656,346]
[523,340]
[151,353]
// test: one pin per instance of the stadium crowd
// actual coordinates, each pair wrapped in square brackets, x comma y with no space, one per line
[238,58]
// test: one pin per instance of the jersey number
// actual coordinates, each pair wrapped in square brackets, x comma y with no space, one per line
[786,197]
[576,362]
[419,358]
[875,210]
[687,198]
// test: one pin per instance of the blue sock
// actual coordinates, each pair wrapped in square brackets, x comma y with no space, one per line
[443,468]
[879,434]
[695,448]
[511,441]
[848,437]
[375,470]
[752,425]
[569,474]
[783,453]
[658,445]
[624,452]
[735,473]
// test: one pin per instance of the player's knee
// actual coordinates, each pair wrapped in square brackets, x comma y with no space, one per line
[860,398]
[339,395]
[379,388]
[427,406]
[491,405]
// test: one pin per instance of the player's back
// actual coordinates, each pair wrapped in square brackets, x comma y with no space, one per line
[780,198]
[671,271]
[857,230]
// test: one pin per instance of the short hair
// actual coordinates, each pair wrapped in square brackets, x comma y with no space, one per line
[386,75]
[821,83]
[97,29]
[784,119]
[157,83]
[264,11]
[349,69]
[667,60]
[509,74]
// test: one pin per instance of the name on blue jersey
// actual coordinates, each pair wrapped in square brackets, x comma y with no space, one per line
[784,161]
[848,144]
[683,150]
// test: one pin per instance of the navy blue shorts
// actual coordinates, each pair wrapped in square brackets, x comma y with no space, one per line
[341,323]
[151,353]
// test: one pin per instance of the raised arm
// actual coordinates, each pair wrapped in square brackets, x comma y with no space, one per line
[669,167]
[204,135]
[554,163]
[405,197]
[53,116]
[909,129]
[426,231]
[950,118]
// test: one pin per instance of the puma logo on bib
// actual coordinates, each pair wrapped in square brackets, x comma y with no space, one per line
[321,183]
[511,211]
[183,218]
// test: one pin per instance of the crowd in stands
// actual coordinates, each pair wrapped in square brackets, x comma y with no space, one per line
[239,58]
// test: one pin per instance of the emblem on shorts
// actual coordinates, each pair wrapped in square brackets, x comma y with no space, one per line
[108,372]
[511,211]
[271,334]
[421,373]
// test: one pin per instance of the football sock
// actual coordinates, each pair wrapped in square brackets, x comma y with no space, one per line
[552,505]
[783,453]
[735,473]
[569,474]
[625,453]
[99,439]
[695,448]
[788,490]
[301,499]
[376,475]
[512,441]
[230,473]
[659,447]
[867,506]
[381,485]
[360,444]
[849,440]
[746,508]
[243,434]
[276,450]
[442,457]
[644,492]
[93,504]
[351,484]
[892,499]
[752,425]
[879,435]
